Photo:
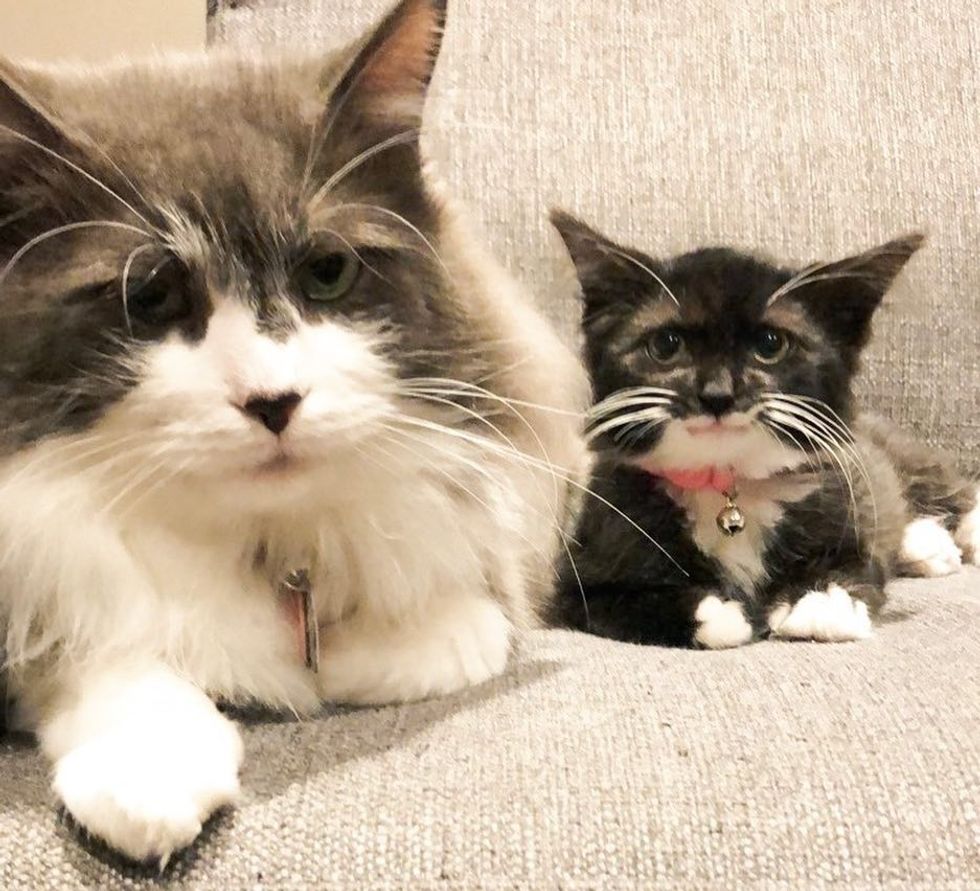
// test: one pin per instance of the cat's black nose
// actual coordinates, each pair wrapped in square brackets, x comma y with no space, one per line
[716,404]
[717,396]
[275,411]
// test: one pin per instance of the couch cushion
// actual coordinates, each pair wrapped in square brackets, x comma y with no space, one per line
[597,764]
[806,129]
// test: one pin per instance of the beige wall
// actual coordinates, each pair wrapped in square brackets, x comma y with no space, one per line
[93,30]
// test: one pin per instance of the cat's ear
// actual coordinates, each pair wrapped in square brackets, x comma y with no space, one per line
[24,122]
[383,89]
[610,274]
[844,295]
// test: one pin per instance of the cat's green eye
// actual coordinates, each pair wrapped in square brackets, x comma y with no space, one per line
[771,346]
[666,346]
[329,277]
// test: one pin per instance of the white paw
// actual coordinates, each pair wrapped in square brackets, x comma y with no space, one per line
[467,643]
[929,549]
[968,533]
[146,792]
[722,624]
[831,615]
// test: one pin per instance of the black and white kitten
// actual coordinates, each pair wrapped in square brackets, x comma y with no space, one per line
[723,389]
[242,333]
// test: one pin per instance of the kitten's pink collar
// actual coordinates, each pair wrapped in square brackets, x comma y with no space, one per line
[698,479]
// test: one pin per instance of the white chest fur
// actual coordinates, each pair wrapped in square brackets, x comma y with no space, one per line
[762,502]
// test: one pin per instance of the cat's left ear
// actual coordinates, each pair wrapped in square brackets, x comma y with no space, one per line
[611,275]
[382,92]
[844,295]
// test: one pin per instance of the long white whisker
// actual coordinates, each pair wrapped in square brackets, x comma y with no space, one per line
[628,420]
[839,432]
[125,280]
[829,448]
[411,226]
[60,230]
[564,474]
[403,138]
[81,171]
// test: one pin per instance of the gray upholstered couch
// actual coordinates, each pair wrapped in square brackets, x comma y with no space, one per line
[806,128]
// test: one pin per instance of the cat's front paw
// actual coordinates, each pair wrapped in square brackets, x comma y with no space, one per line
[466,643]
[928,549]
[831,616]
[147,794]
[721,624]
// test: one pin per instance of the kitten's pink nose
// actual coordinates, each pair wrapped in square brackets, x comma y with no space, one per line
[273,412]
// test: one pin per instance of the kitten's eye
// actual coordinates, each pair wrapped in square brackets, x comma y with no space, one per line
[771,346]
[159,299]
[329,277]
[665,346]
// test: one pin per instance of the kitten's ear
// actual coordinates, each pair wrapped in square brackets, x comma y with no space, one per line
[844,295]
[385,85]
[588,248]
[610,275]
[23,119]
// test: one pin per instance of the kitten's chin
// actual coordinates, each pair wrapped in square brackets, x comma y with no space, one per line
[743,447]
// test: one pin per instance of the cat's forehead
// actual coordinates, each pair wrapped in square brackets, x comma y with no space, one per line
[708,288]
[199,125]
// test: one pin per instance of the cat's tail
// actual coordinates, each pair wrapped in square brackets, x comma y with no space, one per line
[943,530]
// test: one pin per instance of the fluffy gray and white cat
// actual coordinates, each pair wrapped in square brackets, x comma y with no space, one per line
[242,334]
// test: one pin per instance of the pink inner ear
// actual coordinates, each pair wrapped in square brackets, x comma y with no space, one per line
[403,62]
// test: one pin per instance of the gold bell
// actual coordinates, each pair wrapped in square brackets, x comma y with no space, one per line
[730,520]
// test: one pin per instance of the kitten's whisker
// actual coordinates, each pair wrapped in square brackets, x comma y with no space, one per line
[631,437]
[843,435]
[639,391]
[811,459]
[594,417]
[809,275]
[61,230]
[628,420]
[829,447]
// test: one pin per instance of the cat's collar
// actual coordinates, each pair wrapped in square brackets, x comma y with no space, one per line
[730,519]
[717,479]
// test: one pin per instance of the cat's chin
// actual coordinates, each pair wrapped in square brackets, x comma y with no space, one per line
[743,447]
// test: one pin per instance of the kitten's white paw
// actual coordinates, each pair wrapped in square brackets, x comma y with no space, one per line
[928,548]
[146,792]
[467,643]
[831,615]
[968,533]
[722,624]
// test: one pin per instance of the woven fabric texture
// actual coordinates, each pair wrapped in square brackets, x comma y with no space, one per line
[601,765]
[805,130]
